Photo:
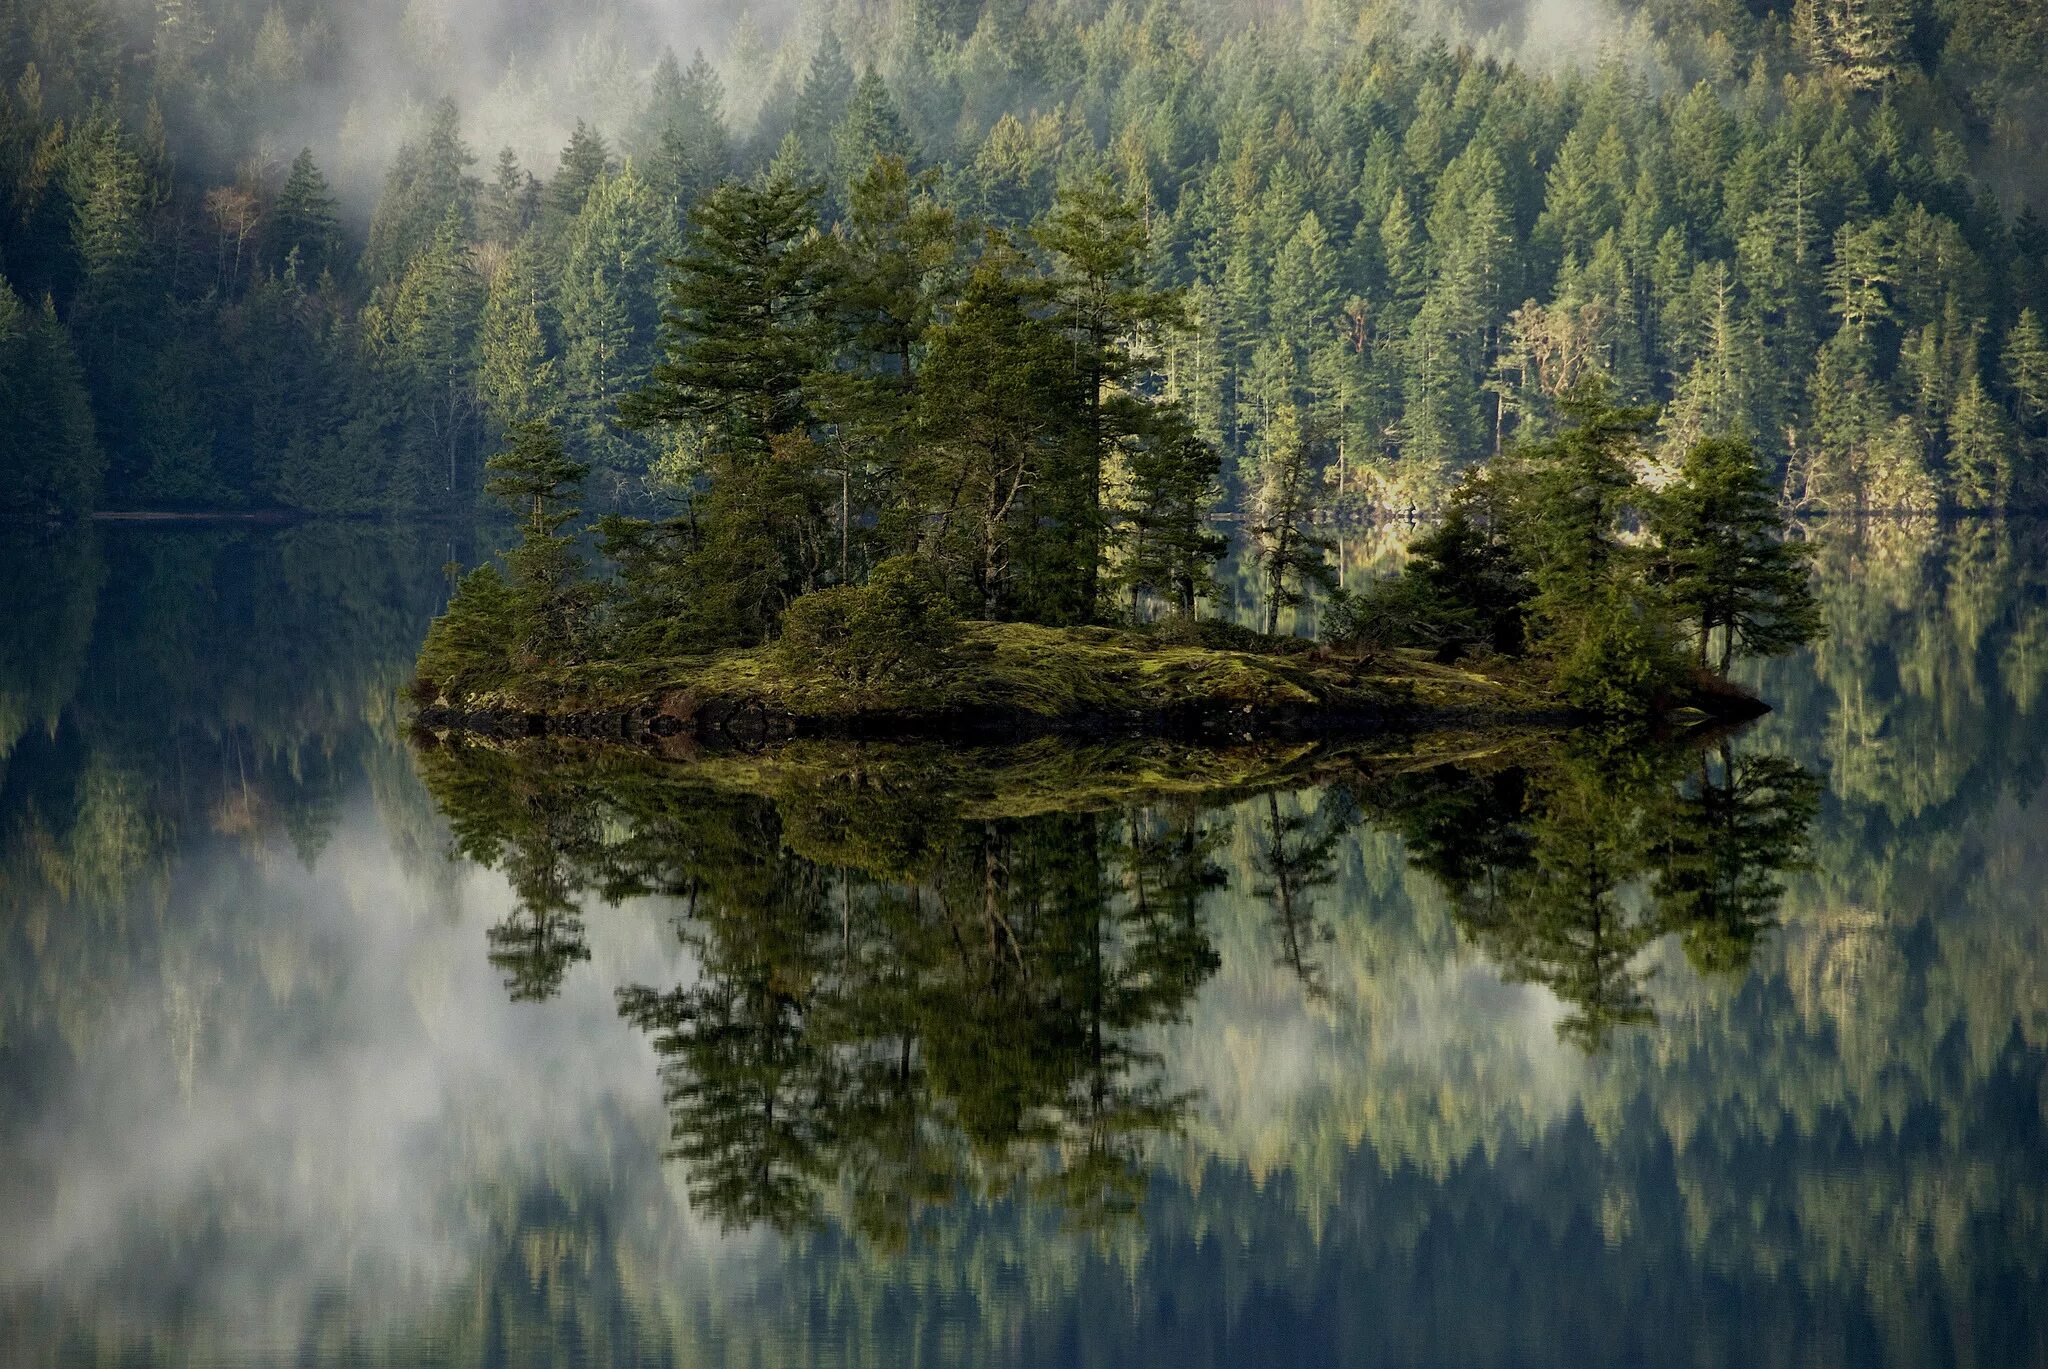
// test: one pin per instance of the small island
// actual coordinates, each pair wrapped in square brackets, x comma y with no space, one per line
[923,489]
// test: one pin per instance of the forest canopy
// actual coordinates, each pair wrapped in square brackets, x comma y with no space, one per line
[1396,247]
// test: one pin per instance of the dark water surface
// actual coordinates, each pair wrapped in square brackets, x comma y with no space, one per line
[315,1050]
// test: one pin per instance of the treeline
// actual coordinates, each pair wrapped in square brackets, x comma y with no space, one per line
[1397,255]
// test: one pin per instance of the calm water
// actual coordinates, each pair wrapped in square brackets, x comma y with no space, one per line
[317,1050]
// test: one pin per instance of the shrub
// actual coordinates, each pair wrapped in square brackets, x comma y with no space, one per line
[896,627]
[1622,664]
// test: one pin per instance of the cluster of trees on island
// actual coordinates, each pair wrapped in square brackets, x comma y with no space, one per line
[1396,255]
[896,432]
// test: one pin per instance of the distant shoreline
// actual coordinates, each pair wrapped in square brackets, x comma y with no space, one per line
[194,516]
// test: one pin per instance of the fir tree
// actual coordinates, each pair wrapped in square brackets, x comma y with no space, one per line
[1172,548]
[305,223]
[1726,564]
[550,598]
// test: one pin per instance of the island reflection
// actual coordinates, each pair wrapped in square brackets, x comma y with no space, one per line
[924,975]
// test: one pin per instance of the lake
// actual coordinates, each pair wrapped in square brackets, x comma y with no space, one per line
[320,1047]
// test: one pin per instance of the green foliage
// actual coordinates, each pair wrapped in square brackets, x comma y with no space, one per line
[551,598]
[1463,589]
[1726,565]
[55,462]
[1540,552]
[1797,240]
[468,650]
[897,627]
[1620,661]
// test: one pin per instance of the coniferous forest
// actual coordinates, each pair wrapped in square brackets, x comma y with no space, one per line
[1148,260]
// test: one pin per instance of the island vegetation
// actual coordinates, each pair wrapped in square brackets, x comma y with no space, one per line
[1034,535]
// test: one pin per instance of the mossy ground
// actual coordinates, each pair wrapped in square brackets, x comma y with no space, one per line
[1048,674]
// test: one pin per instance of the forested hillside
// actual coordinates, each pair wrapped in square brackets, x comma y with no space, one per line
[1402,232]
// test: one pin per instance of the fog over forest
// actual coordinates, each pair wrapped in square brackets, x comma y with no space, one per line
[302,255]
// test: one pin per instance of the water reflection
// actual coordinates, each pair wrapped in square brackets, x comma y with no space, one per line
[908,998]
[1043,1061]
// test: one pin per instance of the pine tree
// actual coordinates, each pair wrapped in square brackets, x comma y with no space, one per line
[1305,287]
[1726,563]
[2025,363]
[510,204]
[424,330]
[740,341]
[517,381]
[586,161]
[1174,492]
[897,261]
[1101,298]
[692,152]
[821,103]
[1980,447]
[550,597]
[870,128]
[1291,559]
[994,431]
[609,311]
[56,462]
[305,221]
[739,338]
[428,182]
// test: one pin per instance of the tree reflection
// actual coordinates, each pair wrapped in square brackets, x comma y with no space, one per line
[894,1004]
[901,999]
[1296,857]
[1564,873]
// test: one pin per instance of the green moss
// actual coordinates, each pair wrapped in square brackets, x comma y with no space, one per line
[1054,674]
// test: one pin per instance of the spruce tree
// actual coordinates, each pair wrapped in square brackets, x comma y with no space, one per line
[305,221]
[550,597]
[1101,298]
[1724,560]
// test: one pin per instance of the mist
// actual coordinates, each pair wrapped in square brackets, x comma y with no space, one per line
[353,83]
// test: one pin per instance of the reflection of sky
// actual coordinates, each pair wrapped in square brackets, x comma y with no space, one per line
[317,1097]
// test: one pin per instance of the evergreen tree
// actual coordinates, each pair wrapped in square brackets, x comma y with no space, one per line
[1726,564]
[870,128]
[423,332]
[2026,380]
[1291,559]
[739,342]
[1101,299]
[429,182]
[895,264]
[550,598]
[821,103]
[691,151]
[1592,614]
[517,381]
[995,433]
[510,204]
[305,223]
[56,461]
[586,162]
[1172,547]
[609,311]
